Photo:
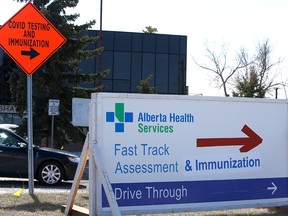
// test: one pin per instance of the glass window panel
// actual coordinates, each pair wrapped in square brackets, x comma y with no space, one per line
[161,73]
[136,71]
[5,118]
[137,43]
[16,119]
[122,41]
[174,44]
[182,74]
[107,40]
[148,65]
[149,43]
[108,85]
[162,45]
[173,74]
[122,63]
[107,63]
[121,86]
[183,45]
[9,140]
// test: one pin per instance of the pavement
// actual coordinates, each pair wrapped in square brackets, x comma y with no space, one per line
[13,185]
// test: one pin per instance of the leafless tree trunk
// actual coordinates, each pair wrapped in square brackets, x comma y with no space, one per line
[264,67]
[217,64]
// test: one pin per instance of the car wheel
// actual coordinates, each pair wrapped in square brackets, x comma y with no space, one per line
[50,173]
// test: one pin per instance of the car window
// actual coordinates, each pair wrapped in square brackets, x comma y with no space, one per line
[8,140]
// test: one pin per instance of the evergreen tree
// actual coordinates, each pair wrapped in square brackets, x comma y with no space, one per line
[60,76]
[249,86]
[150,30]
[260,77]
[5,70]
[144,86]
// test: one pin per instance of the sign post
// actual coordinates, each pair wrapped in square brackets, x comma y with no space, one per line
[30,136]
[30,39]
[53,111]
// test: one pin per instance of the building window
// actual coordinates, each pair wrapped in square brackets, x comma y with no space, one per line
[121,86]
[122,41]
[136,71]
[173,74]
[137,43]
[149,43]
[162,45]
[174,45]
[148,65]
[162,75]
[122,64]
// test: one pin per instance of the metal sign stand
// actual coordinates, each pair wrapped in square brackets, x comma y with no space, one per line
[30,135]
[52,132]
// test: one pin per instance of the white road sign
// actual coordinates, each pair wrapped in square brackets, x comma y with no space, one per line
[183,153]
[53,107]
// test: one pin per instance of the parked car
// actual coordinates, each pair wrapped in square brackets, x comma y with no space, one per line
[51,166]
[12,127]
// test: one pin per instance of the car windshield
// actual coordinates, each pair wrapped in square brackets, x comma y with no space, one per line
[10,140]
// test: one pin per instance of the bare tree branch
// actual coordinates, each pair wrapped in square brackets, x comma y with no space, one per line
[218,65]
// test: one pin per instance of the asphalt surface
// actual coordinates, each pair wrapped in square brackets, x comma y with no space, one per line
[12,185]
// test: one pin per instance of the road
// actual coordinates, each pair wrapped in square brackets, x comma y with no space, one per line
[12,185]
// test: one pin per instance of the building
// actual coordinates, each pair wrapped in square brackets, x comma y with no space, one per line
[132,57]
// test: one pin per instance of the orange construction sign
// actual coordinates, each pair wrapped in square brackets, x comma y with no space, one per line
[29,38]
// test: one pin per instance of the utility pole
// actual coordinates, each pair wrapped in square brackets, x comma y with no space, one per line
[100,35]
[276,93]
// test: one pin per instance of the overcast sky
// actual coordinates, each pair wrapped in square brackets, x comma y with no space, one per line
[236,23]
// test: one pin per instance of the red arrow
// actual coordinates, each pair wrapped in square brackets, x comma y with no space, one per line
[247,143]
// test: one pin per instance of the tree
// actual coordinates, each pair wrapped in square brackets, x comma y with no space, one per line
[150,30]
[60,76]
[218,65]
[5,71]
[254,76]
[247,85]
[259,78]
[144,86]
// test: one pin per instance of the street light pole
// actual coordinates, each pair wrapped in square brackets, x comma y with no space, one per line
[100,34]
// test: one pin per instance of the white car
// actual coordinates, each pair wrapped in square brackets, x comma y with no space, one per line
[11,127]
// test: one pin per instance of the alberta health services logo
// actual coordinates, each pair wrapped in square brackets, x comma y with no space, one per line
[122,117]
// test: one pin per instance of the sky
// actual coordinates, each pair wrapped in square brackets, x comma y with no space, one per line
[206,23]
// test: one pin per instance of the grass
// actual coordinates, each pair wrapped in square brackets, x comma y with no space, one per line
[38,204]
[50,204]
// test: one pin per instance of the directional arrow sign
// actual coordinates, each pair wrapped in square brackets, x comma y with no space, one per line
[247,143]
[273,188]
[29,38]
[32,53]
